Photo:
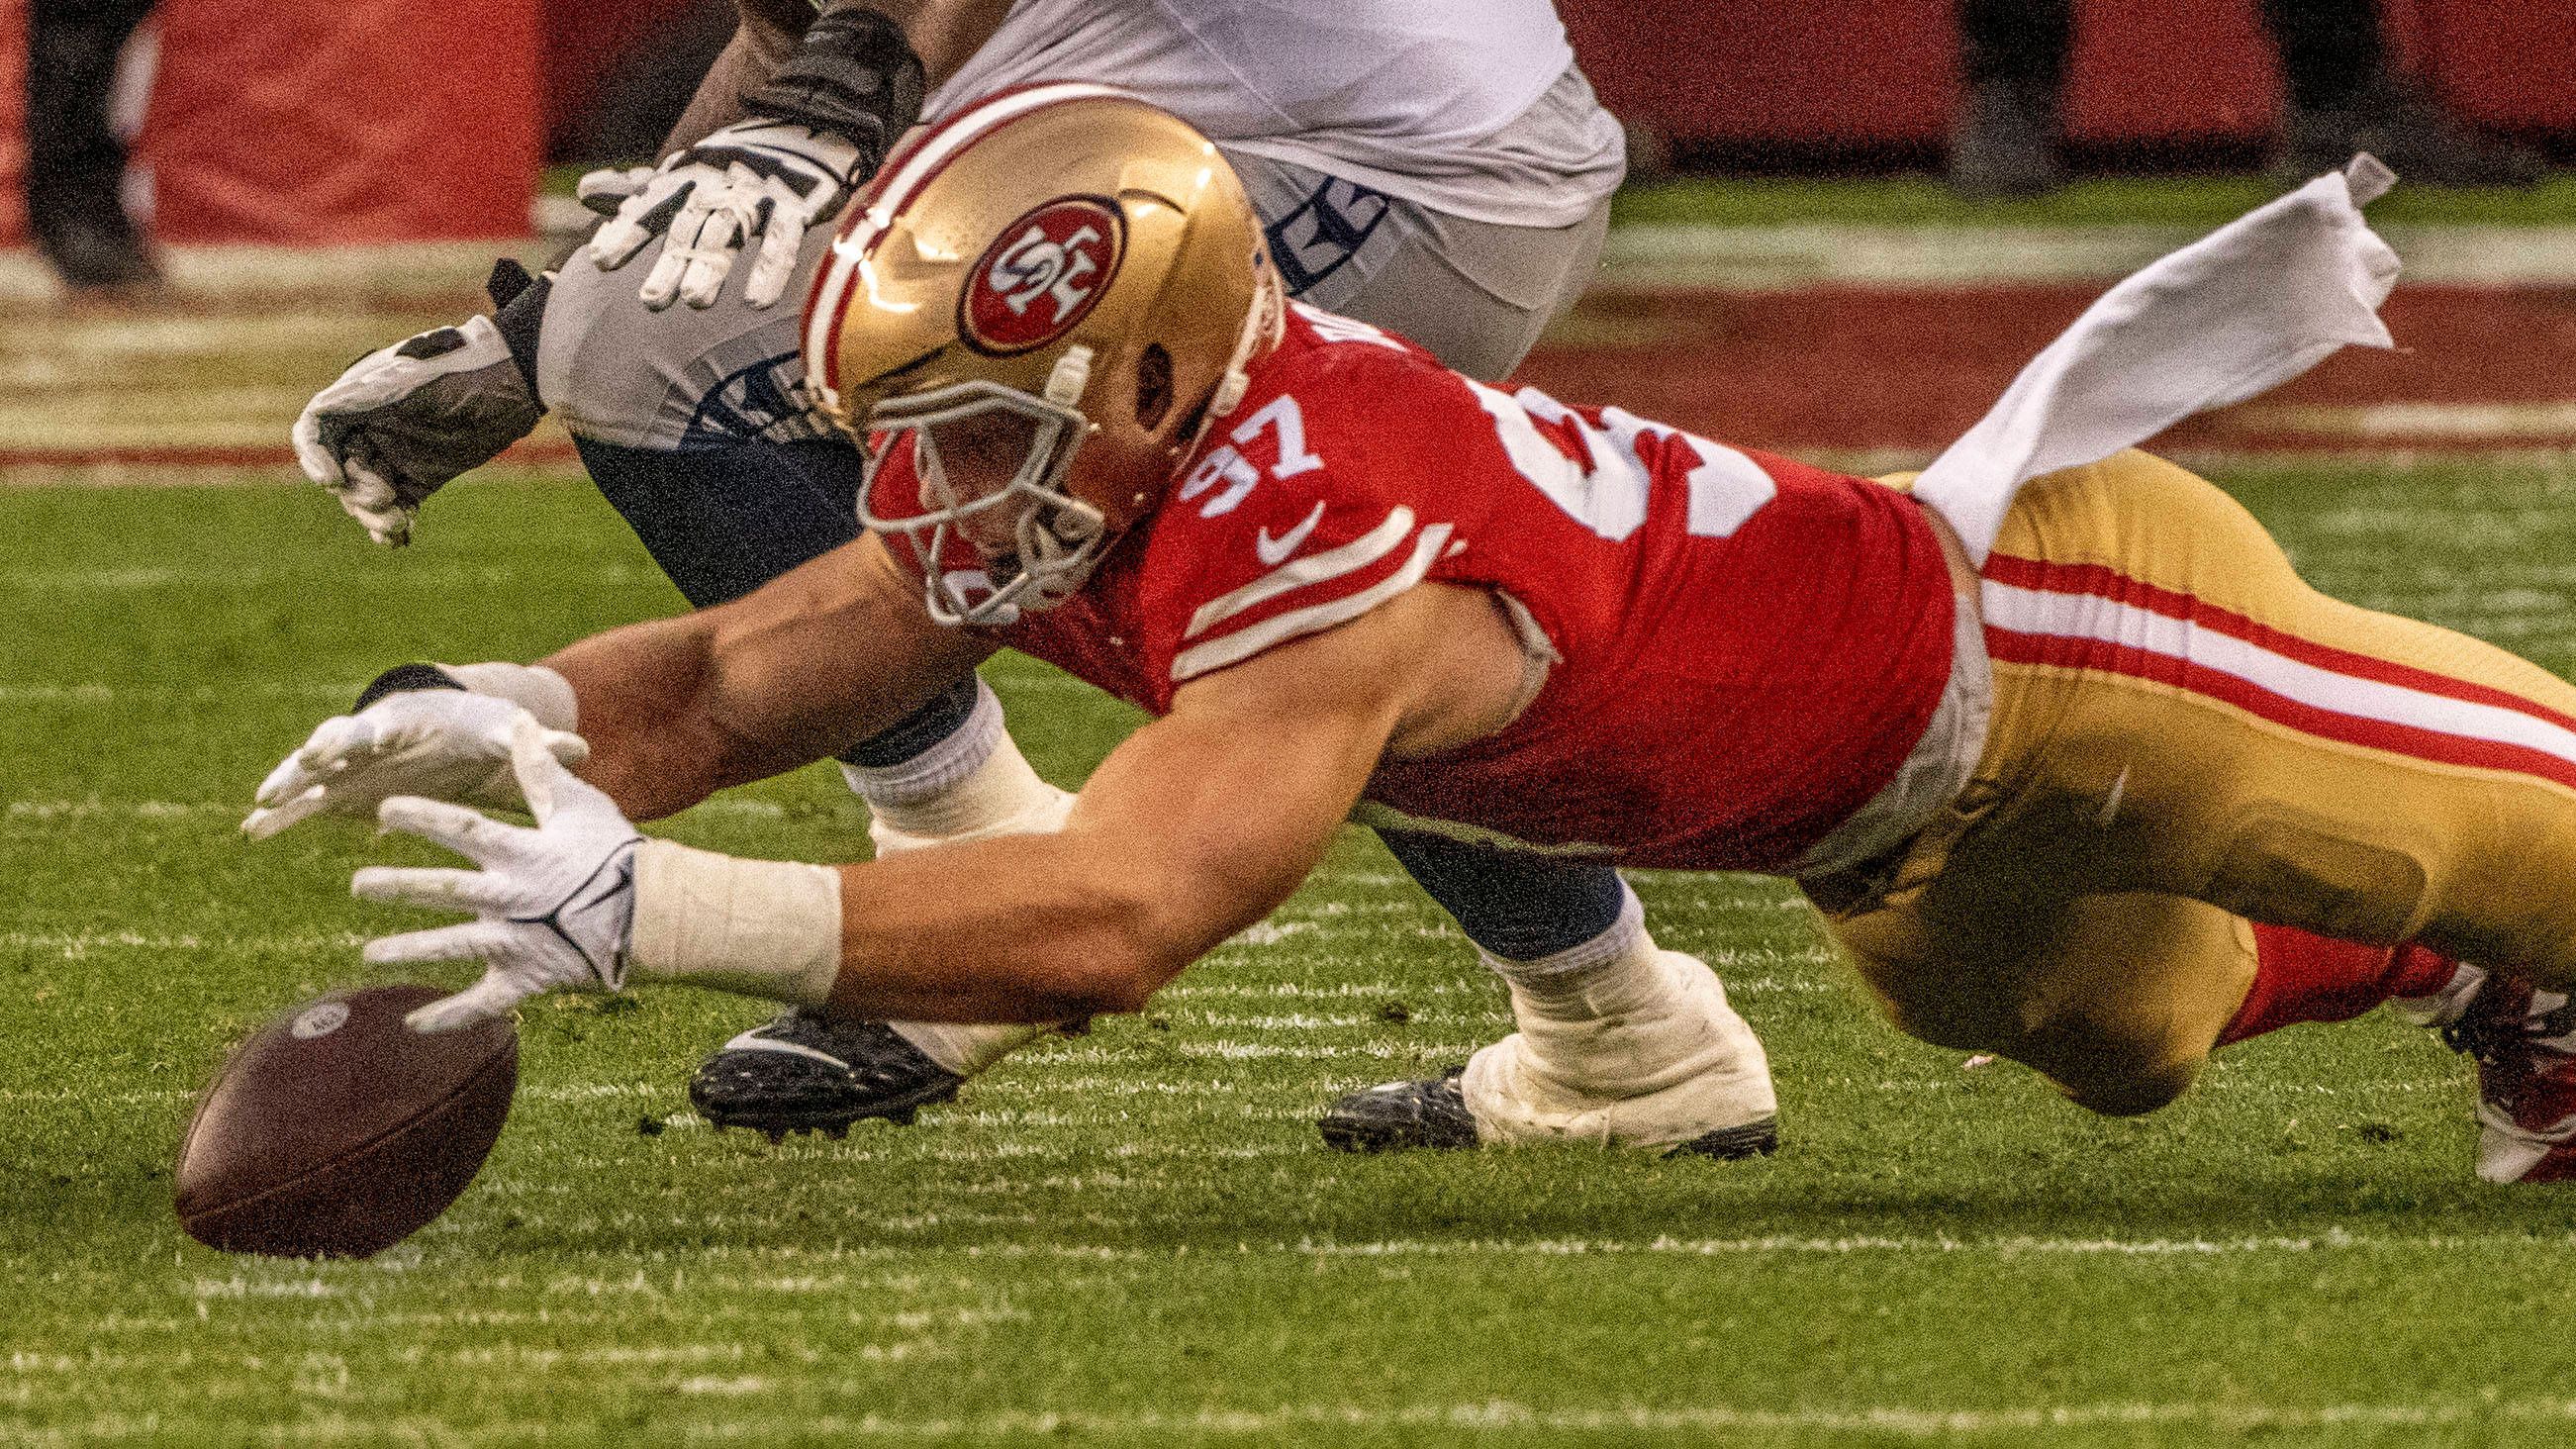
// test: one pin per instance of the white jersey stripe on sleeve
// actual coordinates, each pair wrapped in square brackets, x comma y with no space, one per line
[1233,648]
[1332,563]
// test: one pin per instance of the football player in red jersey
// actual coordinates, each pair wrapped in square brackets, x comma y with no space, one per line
[2098,788]
[1438,167]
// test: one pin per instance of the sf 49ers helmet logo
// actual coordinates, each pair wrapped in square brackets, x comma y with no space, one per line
[1041,276]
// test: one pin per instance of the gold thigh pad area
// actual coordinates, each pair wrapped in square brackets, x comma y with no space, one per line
[2187,737]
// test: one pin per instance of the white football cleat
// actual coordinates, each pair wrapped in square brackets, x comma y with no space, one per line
[1651,1059]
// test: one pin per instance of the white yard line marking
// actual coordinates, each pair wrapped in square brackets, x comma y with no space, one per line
[1493,1416]
[376,275]
[39,812]
[2471,421]
[74,945]
[439,580]
[230,693]
[709,1275]
[1785,258]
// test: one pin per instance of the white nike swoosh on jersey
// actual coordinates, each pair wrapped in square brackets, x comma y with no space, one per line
[1275,551]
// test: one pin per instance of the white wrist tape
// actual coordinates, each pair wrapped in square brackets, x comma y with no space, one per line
[764,928]
[532,687]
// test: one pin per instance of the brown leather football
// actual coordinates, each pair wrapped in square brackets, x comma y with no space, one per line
[337,1131]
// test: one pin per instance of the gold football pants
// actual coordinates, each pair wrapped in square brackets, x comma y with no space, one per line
[2186,737]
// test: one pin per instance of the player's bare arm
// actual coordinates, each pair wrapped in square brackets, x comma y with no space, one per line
[1201,824]
[679,707]
[675,709]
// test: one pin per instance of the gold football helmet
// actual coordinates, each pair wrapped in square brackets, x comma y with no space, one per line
[1062,263]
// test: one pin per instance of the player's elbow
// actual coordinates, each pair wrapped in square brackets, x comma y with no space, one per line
[1112,988]
[1131,950]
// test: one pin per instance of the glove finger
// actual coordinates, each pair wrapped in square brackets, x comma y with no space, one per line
[470,833]
[551,788]
[569,750]
[342,742]
[779,243]
[372,496]
[543,781]
[391,529]
[643,217]
[369,486]
[431,888]
[262,823]
[688,231]
[491,999]
[372,499]
[702,281]
[620,237]
[316,460]
[720,240]
[464,941]
[321,753]
[286,782]
[605,191]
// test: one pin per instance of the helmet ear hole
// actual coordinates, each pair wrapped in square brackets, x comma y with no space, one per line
[1153,386]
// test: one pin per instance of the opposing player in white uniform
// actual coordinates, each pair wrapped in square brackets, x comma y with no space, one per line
[1438,167]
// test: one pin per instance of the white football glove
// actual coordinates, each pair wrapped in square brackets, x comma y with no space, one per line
[606,190]
[447,744]
[770,178]
[554,906]
[405,419]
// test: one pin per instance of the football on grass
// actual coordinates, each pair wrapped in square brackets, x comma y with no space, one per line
[337,1131]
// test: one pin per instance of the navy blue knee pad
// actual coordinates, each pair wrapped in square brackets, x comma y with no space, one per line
[1519,907]
[723,521]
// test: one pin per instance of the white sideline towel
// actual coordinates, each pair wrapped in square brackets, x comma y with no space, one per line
[2237,313]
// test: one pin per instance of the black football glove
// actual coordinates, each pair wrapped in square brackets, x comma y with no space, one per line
[817,131]
[405,419]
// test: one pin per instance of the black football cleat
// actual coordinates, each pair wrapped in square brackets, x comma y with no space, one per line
[1395,1116]
[801,1073]
[1432,1113]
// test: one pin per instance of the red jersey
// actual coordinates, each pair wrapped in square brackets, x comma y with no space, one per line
[1747,647]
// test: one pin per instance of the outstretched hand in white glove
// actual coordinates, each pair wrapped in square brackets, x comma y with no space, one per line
[554,905]
[446,744]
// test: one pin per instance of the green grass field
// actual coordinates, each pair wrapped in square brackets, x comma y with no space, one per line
[1135,1236]
[2195,202]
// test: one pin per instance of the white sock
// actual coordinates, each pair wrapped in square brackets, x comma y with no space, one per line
[1561,986]
[974,783]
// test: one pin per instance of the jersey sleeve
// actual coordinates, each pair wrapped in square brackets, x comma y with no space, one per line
[1303,519]
[1321,580]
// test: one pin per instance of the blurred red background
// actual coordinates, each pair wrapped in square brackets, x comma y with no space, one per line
[324,121]
[299,121]
[1863,73]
